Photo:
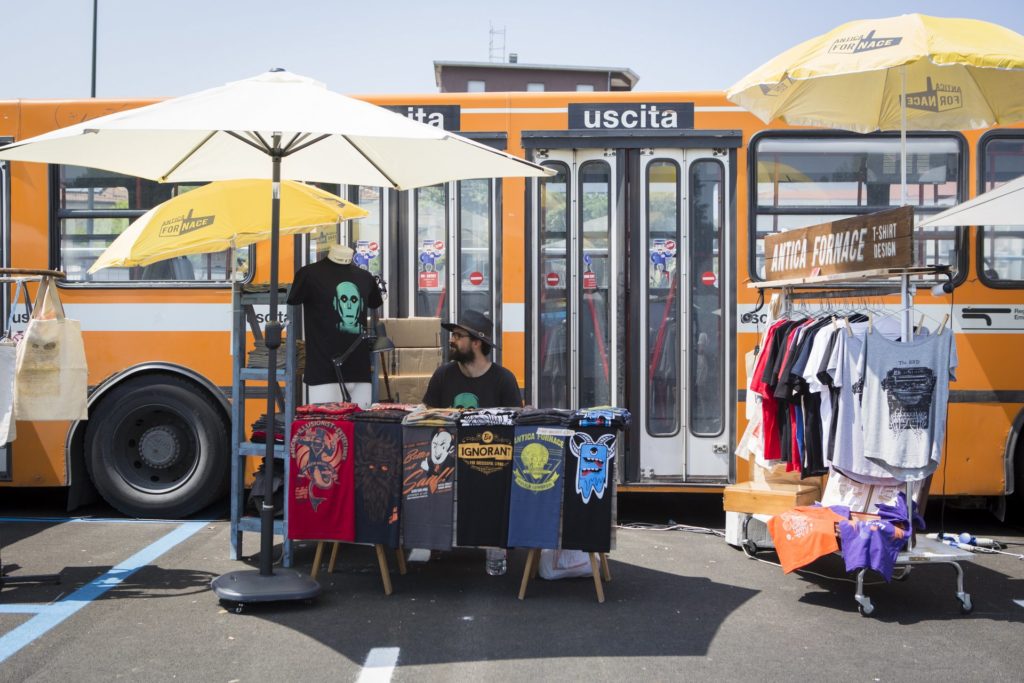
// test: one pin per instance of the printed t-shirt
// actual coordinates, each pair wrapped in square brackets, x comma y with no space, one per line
[378,476]
[587,495]
[483,475]
[322,504]
[803,534]
[428,487]
[538,468]
[906,390]
[335,299]
[450,388]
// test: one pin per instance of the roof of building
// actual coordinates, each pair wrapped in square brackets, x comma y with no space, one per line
[624,76]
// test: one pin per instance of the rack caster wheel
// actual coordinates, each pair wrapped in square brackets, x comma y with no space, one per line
[966,607]
[865,607]
[239,607]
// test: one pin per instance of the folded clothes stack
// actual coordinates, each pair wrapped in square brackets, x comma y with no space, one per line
[259,429]
[258,356]
[489,416]
[546,416]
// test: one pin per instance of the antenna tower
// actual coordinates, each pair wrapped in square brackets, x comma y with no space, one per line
[497,44]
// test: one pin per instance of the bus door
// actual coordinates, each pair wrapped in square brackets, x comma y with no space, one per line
[680,396]
[631,296]
[576,337]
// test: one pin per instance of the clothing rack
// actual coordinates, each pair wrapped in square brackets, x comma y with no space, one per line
[865,283]
[20,277]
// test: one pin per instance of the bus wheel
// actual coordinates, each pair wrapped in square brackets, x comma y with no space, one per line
[157,446]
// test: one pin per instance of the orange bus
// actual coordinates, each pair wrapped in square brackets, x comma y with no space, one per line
[621,279]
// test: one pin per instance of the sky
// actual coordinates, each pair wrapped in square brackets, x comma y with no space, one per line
[169,48]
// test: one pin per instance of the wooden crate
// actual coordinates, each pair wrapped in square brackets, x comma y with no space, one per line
[767,498]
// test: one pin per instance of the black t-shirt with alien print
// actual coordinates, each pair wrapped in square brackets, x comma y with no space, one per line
[335,299]
[449,388]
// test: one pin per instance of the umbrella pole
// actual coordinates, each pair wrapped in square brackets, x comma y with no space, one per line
[903,136]
[247,586]
[272,337]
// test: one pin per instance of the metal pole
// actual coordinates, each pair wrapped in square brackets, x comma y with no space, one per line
[95,15]
[903,136]
[272,335]
[906,332]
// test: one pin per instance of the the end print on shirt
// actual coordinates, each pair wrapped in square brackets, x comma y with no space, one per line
[593,459]
[320,449]
[535,469]
[430,471]
[909,391]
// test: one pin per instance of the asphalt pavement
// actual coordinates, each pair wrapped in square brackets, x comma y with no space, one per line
[134,604]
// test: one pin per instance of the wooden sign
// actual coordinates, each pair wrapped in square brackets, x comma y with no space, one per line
[877,240]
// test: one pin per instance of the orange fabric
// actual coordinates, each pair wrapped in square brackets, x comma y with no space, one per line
[804,534]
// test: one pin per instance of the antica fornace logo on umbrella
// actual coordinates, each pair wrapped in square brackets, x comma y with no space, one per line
[855,44]
[936,97]
[179,225]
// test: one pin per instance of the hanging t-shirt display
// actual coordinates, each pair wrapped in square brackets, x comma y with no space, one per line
[335,299]
[535,500]
[587,499]
[483,473]
[428,486]
[322,504]
[903,404]
[378,476]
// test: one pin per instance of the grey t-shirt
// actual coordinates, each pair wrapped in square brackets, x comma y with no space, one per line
[903,404]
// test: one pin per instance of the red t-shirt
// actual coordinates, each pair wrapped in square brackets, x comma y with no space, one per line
[769,410]
[322,491]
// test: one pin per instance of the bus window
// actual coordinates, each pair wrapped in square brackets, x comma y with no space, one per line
[94,206]
[664,379]
[476,278]
[553,223]
[806,180]
[1001,256]
[706,330]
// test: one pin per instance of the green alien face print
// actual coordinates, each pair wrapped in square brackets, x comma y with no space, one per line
[466,400]
[349,306]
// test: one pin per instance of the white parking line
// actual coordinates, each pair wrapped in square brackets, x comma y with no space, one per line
[49,616]
[379,665]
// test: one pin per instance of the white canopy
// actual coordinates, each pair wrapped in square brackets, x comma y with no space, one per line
[1002,206]
[222,134]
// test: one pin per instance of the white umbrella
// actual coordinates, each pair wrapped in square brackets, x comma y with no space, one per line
[1002,206]
[309,133]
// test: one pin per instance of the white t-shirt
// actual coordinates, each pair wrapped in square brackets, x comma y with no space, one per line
[903,405]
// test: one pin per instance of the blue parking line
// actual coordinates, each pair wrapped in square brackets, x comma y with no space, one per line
[50,616]
[97,520]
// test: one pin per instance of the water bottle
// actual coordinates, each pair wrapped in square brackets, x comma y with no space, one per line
[497,561]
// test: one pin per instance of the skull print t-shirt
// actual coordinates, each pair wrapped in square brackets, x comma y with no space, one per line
[335,299]
[450,388]
[904,390]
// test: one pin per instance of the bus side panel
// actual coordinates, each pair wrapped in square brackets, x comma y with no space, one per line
[28,466]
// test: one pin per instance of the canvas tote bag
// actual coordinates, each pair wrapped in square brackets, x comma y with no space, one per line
[51,375]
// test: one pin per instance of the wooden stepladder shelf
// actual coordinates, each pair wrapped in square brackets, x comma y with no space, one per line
[598,567]
[382,562]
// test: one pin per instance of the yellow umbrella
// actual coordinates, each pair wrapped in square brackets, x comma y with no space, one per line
[951,74]
[222,215]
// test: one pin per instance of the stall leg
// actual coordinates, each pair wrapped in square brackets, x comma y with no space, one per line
[531,560]
[385,574]
[400,554]
[334,557]
[317,558]
[595,570]
[605,571]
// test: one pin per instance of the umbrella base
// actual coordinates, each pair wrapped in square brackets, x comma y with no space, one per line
[249,585]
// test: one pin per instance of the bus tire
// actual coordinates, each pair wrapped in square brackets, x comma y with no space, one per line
[157,446]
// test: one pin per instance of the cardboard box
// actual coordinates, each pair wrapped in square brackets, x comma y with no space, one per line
[407,388]
[412,361]
[768,498]
[414,332]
